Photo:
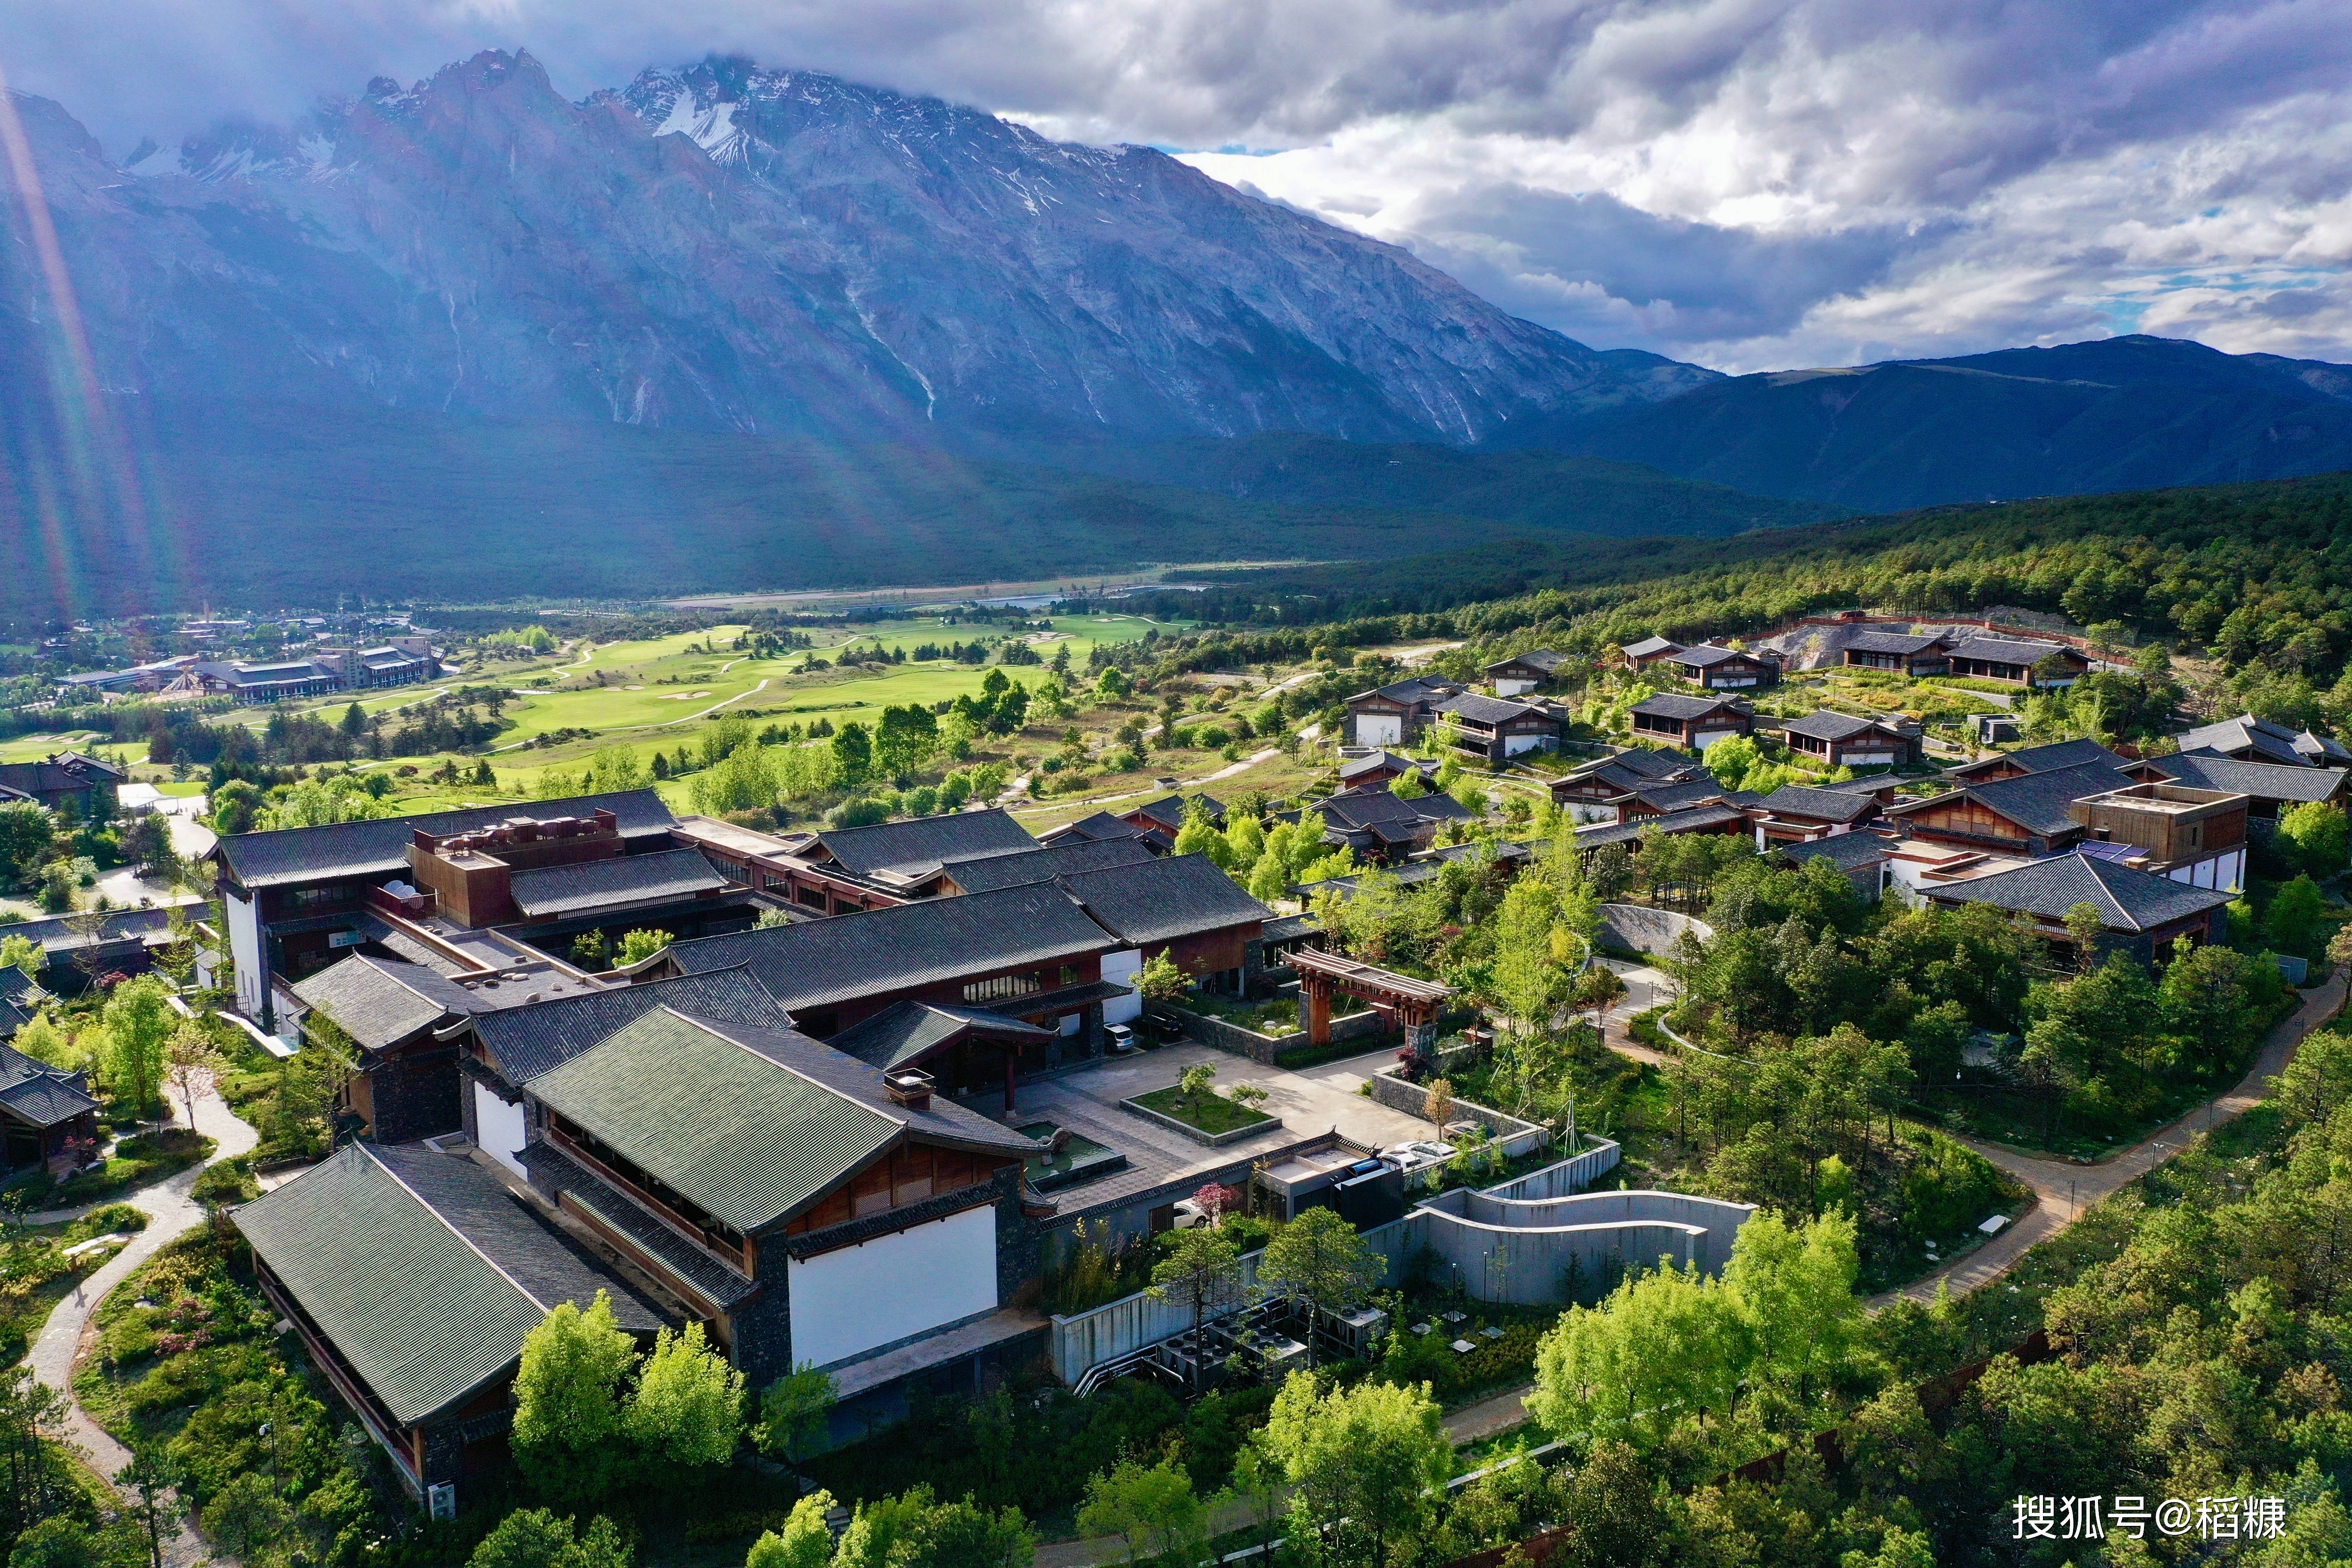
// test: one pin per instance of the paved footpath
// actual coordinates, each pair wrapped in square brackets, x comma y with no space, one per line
[171,1214]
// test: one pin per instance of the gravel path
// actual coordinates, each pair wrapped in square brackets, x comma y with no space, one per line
[171,1214]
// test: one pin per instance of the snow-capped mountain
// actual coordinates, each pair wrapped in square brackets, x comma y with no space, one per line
[727,247]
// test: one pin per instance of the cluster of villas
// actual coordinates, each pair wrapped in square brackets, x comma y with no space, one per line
[403,661]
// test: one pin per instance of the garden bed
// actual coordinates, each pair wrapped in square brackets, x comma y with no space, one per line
[1208,1118]
[137,1161]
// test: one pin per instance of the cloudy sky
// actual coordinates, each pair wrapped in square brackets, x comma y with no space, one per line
[1750,184]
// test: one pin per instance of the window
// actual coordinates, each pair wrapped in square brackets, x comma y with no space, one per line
[1001,986]
[811,897]
[1069,975]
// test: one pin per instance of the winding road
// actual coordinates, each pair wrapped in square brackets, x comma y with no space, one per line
[171,1214]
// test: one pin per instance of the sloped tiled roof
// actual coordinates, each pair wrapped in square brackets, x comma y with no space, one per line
[614,880]
[1168,811]
[1488,711]
[1695,819]
[1541,658]
[925,841]
[2264,781]
[908,1031]
[1872,640]
[1824,725]
[1821,805]
[2126,899]
[875,952]
[1165,899]
[1649,646]
[750,1125]
[2038,802]
[1846,851]
[1681,797]
[38,1094]
[380,847]
[423,1270]
[380,1002]
[1383,762]
[1045,863]
[1674,705]
[2270,743]
[542,1036]
[2009,650]
[12,1016]
[1099,826]
[2060,754]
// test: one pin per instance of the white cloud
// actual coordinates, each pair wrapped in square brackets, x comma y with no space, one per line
[1750,182]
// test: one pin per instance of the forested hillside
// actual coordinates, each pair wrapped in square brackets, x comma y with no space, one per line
[2261,574]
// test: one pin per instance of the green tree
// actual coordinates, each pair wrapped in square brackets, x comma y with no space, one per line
[1198,834]
[56,1542]
[1610,1509]
[1154,1512]
[2320,833]
[2295,916]
[686,1411]
[805,1541]
[1202,1270]
[26,830]
[569,1418]
[853,754]
[147,1482]
[248,1513]
[1528,980]
[1408,786]
[1319,1259]
[637,946]
[916,1529]
[1113,684]
[1801,1320]
[24,956]
[534,1538]
[793,1414]
[139,1022]
[1245,839]
[235,805]
[1160,979]
[1363,1463]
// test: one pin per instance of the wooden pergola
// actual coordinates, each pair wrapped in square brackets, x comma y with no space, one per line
[1414,1004]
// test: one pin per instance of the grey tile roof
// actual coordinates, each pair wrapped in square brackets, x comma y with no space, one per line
[1648,762]
[38,1094]
[1674,705]
[2126,899]
[380,847]
[614,880]
[750,1125]
[2270,743]
[1649,646]
[1890,642]
[1043,863]
[57,934]
[1165,899]
[925,841]
[2038,802]
[906,1031]
[12,1016]
[380,1002]
[1489,711]
[1846,851]
[876,951]
[1100,826]
[1697,819]
[1821,805]
[1707,656]
[2064,754]
[1678,796]
[1168,811]
[1383,762]
[2009,650]
[1413,691]
[423,1270]
[1824,725]
[1376,806]
[2321,749]
[527,1041]
[2264,781]
[1542,659]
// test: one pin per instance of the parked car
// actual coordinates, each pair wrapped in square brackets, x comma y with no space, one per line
[1120,1039]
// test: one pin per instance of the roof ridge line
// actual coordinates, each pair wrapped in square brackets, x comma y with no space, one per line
[712,1025]
[496,1268]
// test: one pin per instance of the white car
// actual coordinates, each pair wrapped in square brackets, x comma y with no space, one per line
[1120,1039]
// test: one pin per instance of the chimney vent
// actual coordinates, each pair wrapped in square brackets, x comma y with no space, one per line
[911,1090]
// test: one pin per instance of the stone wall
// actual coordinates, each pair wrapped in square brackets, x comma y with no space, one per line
[1637,927]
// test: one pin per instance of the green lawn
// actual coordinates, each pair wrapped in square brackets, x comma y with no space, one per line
[1212,1114]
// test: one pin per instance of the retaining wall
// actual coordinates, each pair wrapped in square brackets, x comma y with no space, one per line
[1517,1137]
[1637,927]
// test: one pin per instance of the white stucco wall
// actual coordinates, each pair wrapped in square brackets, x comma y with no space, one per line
[1379,730]
[892,1288]
[500,1129]
[1120,968]
[245,948]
